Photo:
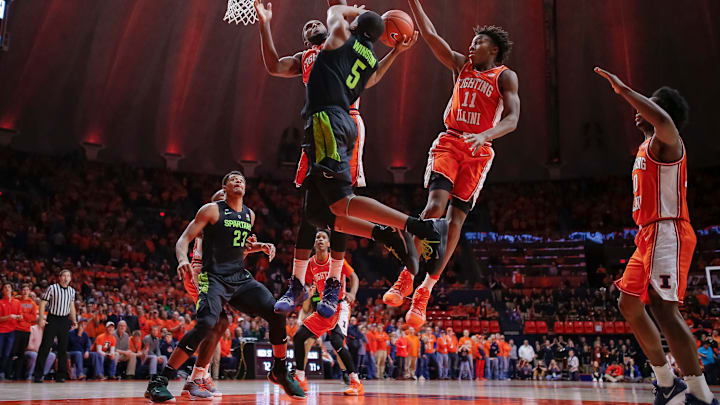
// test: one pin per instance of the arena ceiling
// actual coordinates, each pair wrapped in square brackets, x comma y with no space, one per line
[148,77]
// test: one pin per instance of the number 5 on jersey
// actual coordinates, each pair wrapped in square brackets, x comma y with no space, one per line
[240,235]
[354,76]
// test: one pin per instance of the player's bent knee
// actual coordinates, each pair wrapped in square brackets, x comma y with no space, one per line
[631,307]
[339,208]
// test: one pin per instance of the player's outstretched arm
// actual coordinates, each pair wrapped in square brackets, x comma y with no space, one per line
[510,116]
[388,60]
[338,27]
[665,130]
[451,59]
[205,215]
[287,66]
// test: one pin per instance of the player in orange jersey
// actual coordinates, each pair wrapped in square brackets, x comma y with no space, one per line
[656,274]
[314,326]
[484,106]
[200,375]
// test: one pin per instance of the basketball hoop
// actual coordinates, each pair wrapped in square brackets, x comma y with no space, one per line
[240,11]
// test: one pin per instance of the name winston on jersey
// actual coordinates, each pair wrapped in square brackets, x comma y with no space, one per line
[639,164]
[473,86]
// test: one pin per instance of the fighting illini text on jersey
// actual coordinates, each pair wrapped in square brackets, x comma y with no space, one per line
[659,189]
[476,103]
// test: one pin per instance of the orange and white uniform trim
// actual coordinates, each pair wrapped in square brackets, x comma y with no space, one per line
[476,105]
[666,240]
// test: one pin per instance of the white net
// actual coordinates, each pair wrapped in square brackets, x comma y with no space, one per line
[240,11]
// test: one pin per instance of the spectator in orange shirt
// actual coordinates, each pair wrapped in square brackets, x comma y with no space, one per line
[227,360]
[428,354]
[503,358]
[614,373]
[105,353]
[442,356]
[175,325]
[28,310]
[381,343]
[143,321]
[479,354]
[291,327]
[371,348]
[465,338]
[452,352]
[10,314]
[413,343]
[401,352]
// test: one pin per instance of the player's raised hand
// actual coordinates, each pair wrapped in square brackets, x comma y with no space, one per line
[615,82]
[269,249]
[406,43]
[476,141]
[264,12]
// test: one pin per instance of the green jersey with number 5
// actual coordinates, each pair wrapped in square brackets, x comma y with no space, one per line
[224,241]
[339,76]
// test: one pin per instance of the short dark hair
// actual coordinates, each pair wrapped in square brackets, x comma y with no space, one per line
[232,173]
[370,26]
[499,36]
[674,104]
[26,285]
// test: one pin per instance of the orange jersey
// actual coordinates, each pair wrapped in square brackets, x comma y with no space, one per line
[104,342]
[318,272]
[225,346]
[430,343]
[659,189]
[476,103]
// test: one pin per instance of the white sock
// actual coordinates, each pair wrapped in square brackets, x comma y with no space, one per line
[300,268]
[698,387]
[664,374]
[429,282]
[300,374]
[354,377]
[207,371]
[198,373]
[336,266]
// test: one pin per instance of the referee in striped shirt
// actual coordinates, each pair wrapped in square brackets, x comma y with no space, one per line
[59,299]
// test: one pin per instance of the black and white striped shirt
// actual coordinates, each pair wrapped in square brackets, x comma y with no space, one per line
[59,299]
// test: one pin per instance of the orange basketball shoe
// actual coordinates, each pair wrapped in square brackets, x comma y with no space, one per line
[355,389]
[303,382]
[415,317]
[403,287]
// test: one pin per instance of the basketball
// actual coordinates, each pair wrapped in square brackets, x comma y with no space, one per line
[397,24]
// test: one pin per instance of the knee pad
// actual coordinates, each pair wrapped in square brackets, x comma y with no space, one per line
[464,206]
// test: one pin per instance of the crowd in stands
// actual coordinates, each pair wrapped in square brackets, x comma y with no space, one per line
[114,227]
